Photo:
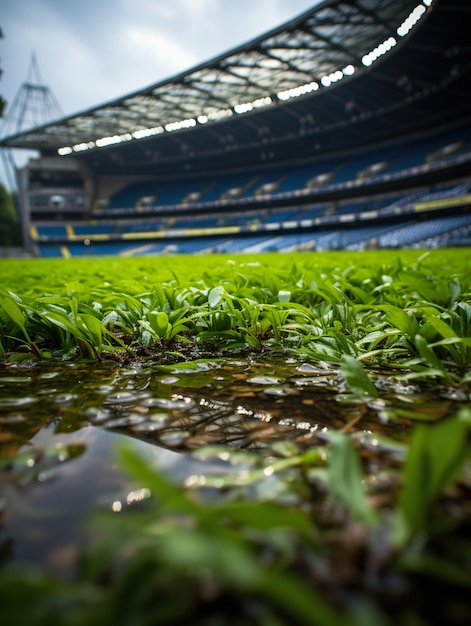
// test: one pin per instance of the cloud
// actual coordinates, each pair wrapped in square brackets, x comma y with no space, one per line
[93,51]
[160,50]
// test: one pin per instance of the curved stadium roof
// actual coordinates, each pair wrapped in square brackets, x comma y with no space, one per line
[345,73]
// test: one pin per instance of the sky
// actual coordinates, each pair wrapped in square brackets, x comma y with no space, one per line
[92,51]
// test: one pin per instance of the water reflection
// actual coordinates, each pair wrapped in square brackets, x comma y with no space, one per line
[59,423]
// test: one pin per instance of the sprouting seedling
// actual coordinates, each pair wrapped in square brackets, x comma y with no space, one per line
[357,379]
[435,458]
[14,312]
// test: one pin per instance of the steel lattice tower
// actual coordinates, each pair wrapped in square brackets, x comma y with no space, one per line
[34,105]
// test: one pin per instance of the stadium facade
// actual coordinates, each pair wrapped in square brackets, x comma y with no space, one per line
[347,127]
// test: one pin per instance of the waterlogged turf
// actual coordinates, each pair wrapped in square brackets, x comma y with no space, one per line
[280,439]
[383,310]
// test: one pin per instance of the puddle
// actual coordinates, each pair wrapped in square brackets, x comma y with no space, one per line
[199,422]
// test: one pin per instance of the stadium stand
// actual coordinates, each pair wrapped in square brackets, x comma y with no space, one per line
[358,138]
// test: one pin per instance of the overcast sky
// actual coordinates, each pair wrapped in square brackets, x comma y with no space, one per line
[92,51]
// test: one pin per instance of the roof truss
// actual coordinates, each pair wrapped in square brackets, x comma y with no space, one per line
[332,35]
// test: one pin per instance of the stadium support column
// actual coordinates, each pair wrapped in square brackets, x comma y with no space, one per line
[90,184]
[22,177]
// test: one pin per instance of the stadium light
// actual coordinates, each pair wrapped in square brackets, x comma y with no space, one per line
[80,147]
[372,56]
[109,141]
[172,126]
[243,108]
[328,79]
[147,132]
[349,70]
[295,92]
[255,104]
[414,16]
[214,116]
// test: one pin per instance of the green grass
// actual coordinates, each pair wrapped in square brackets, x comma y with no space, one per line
[340,557]
[395,310]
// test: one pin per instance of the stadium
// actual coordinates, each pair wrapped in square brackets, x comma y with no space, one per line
[347,127]
[197,429]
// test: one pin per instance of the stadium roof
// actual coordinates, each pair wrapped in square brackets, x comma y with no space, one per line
[395,65]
